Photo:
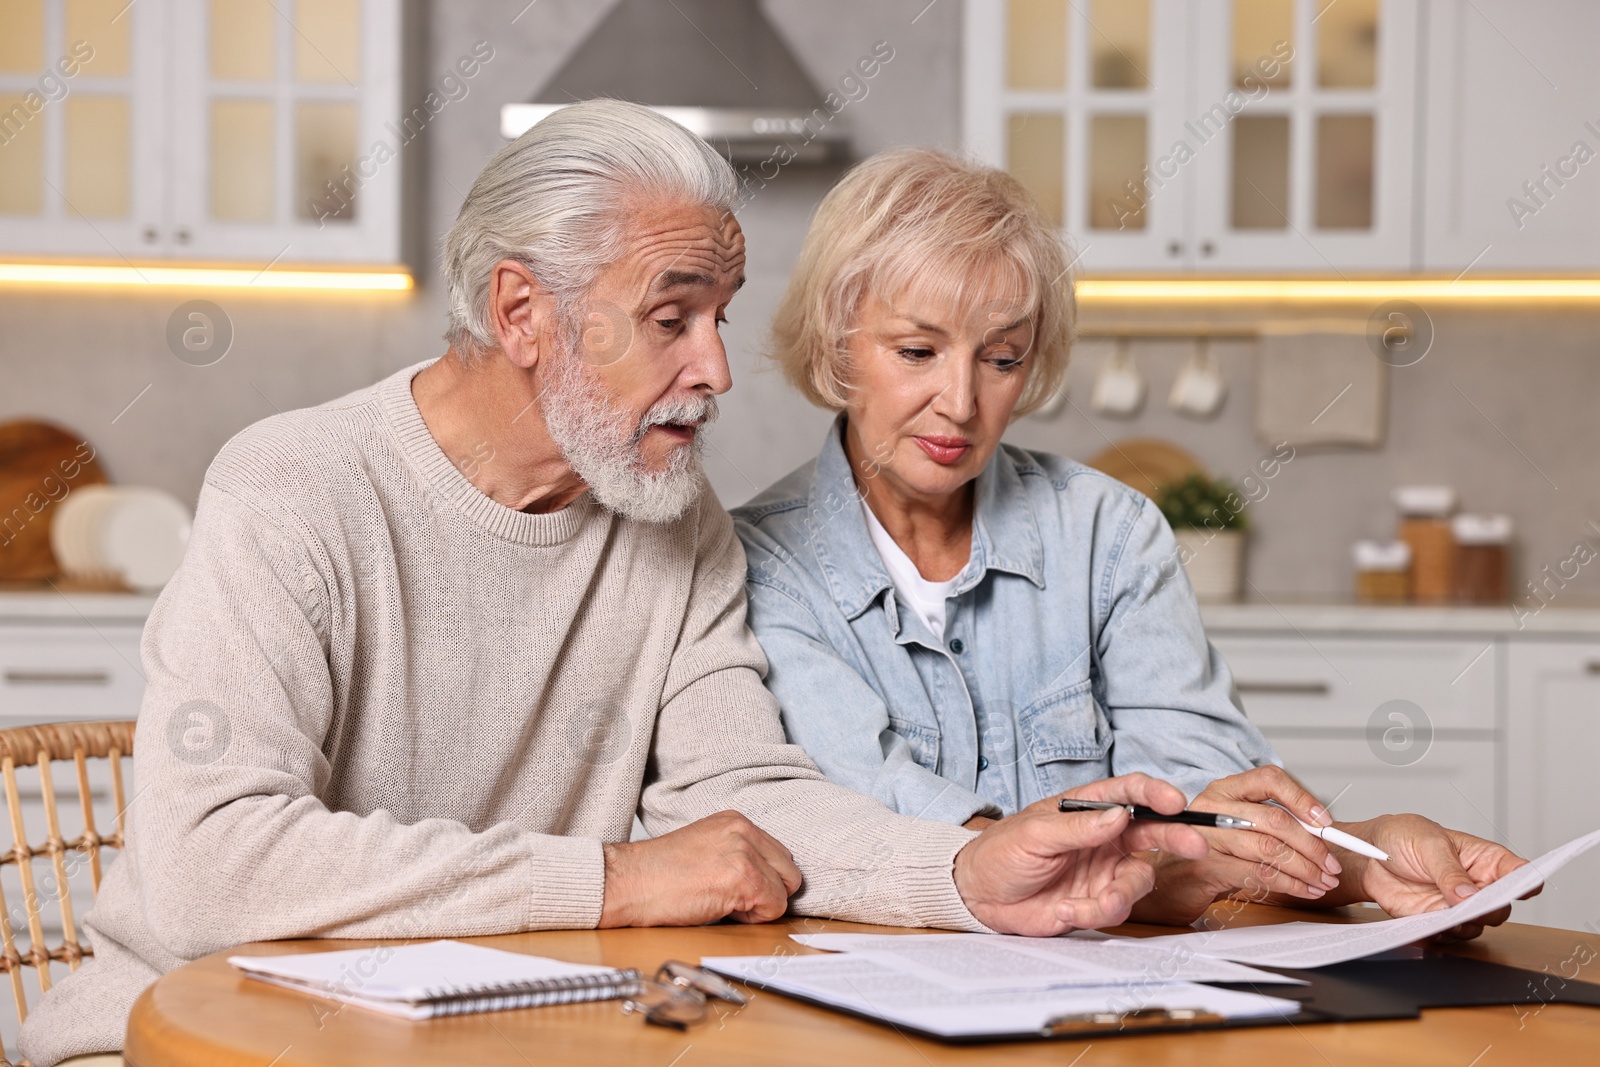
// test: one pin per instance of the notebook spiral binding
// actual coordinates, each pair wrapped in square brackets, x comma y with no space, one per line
[463,999]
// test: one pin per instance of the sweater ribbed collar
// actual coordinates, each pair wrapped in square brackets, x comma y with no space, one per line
[441,476]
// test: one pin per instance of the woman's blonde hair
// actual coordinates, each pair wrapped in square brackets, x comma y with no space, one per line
[889,222]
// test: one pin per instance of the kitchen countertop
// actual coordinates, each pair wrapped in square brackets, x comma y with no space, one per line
[65,605]
[1577,618]
[31,605]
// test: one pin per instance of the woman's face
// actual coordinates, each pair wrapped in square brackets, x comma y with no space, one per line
[932,389]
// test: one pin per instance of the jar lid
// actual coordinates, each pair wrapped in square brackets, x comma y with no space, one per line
[1381,555]
[1481,529]
[1425,501]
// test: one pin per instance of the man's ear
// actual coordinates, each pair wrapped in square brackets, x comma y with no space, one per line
[521,312]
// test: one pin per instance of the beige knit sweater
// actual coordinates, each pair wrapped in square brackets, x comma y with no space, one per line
[382,705]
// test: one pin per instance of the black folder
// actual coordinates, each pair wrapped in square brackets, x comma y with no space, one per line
[1394,985]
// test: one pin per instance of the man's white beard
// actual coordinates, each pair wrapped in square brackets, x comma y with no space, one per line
[601,443]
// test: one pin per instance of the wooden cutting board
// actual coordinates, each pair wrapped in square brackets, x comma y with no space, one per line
[1146,463]
[40,464]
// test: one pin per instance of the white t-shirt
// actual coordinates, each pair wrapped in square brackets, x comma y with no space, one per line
[916,593]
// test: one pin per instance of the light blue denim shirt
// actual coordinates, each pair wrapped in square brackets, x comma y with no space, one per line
[1073,647]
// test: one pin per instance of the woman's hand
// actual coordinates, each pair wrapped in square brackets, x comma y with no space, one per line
[1429,868]
[1042,872]
[1279,857]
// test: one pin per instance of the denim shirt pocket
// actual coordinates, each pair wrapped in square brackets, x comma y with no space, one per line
[923,740]
[1068,738]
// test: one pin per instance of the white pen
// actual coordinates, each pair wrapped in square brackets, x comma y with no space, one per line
[1332,836]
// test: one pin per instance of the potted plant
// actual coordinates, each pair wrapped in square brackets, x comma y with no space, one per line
[1208,519]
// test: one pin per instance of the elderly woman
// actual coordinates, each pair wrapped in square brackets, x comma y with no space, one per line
[962,628]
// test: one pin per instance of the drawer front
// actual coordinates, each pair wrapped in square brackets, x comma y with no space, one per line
[1341,682]
[53,673]
[1454,783]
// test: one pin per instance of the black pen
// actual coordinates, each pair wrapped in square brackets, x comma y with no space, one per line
[1139,811]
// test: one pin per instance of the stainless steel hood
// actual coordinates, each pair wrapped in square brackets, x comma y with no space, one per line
[719,67]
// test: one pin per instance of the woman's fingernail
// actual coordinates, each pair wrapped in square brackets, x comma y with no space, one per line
[1315,891]
[1332,864]
[1320,816]
[1330,881]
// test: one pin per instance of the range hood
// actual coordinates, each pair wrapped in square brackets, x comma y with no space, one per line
[718,67]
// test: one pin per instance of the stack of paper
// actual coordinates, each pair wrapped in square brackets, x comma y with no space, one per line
[977,985]
[957,986]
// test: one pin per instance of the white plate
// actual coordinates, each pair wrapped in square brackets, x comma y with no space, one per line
[69,529]
[143,535]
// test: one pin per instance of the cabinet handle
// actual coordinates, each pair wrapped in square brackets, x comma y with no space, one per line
[58,677]
[1593,666]
[1207,248]
[1175,249]
[1312,689]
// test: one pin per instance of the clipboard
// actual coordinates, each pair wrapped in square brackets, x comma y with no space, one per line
[1393,985]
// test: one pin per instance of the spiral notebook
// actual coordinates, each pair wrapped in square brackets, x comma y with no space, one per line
[439,978]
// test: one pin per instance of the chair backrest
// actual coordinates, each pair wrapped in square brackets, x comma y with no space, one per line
[47,872]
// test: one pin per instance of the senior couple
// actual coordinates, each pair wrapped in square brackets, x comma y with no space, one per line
[448,683]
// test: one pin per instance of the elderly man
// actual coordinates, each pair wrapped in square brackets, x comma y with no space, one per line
[436,643]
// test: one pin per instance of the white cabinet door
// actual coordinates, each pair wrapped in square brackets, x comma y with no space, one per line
[1380,725]
[57,672]
[1455,783]
[1081,100]
[1211,135]
[1552,740]
[287,130]
[82,128]
[1306,164]
[1512,180]
[1324,682]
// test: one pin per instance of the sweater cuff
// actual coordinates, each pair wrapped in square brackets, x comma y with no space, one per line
[928,883]
[567,882]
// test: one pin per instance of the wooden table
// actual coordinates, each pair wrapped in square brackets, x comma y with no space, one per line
[205,1014]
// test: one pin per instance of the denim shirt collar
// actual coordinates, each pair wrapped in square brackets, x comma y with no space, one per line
[1005,535]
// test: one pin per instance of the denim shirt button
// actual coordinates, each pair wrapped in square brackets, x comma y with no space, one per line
[983,761]
[958,646]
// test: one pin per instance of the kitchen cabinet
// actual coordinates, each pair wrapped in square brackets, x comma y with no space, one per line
[1377,725]
[1512,176]
[1205,135]
[1552,743]
[215,130]
[1497,735]
[64,658]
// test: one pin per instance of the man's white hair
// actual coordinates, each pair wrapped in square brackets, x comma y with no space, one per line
[550,200]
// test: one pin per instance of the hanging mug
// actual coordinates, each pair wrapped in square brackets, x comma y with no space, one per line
[1199,389]
[1119,388]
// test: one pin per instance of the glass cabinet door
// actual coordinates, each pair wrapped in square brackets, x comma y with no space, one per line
[1089,96]
[1306,109]
[80,128]
[282,152]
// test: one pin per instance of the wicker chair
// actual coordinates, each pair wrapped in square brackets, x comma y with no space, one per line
[38,747]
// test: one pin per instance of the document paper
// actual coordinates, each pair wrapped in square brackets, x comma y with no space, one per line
[1303,945]
[998,961]
[874,987]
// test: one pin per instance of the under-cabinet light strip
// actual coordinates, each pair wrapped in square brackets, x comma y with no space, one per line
[1337,289]
[201,277]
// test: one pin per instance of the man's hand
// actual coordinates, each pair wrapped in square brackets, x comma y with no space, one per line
[1429,868]
[723,865]
[1041,872]
[1279,857]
